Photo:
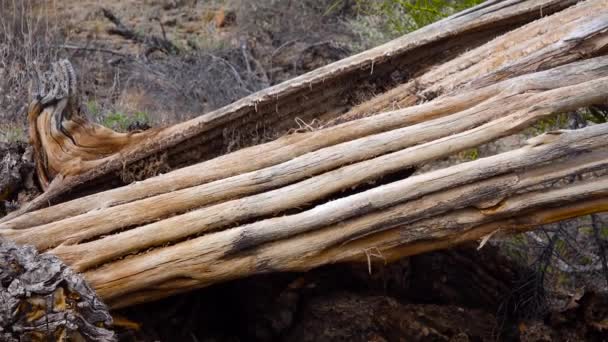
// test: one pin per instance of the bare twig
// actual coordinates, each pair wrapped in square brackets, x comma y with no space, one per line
[596,231]
[152,43]
[84,48]
[245,56]
[162,28]
[120,28]
[231,67]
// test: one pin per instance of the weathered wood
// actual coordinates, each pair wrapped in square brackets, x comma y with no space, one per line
[304,240]
[550,148]
[587,43]
[231,253]
[364,250]
[100,222]
[221,215]
[64,143]
[41,299]
[318,92]
[15,169]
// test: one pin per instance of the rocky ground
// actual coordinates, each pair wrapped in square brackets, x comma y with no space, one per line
[152,63]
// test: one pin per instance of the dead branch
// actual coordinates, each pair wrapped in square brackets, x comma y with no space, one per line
[152,43]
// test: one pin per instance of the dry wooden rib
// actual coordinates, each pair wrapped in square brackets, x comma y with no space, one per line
[378,249]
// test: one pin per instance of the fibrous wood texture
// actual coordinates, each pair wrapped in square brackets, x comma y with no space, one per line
[344,192]
[64,143]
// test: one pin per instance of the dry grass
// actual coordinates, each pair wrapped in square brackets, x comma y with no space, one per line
[265,43]
[27,36]
[291,37]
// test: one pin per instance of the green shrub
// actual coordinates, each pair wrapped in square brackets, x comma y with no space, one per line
[470,154]
[93,108]
[595,115]
[121,121]
[403,16]
[12,133]
[551,123]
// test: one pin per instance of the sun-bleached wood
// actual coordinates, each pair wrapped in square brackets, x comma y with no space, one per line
[368,250]
[64,143]
[443,136]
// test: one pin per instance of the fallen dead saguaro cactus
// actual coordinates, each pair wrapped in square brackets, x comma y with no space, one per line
[328,92]
[343,192]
